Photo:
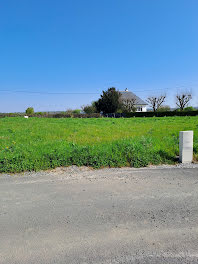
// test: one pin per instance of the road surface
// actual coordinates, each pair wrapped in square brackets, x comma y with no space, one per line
[105,216]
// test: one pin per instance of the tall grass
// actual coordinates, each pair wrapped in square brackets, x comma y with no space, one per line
[34,144]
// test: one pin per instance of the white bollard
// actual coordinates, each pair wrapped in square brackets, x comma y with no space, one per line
[186,146]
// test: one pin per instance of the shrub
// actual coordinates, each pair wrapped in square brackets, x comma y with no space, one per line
[90,109]
[76,111]
[189,108]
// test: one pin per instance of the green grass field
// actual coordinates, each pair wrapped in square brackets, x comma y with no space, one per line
[34,144]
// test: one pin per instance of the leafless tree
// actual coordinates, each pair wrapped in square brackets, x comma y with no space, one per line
[156,102]
[182,100]
[128,105]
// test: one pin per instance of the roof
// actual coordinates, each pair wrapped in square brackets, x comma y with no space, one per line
[126,95]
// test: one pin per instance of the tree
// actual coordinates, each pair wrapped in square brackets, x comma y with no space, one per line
[128,105]
[156,102]
[29,111]
[182,100]
[69,111]
[90,109]
[109,101]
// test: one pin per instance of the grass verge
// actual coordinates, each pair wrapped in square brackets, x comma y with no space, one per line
[35,144]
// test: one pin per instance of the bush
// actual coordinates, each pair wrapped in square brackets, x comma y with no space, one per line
[189,108]
[90,109]
[76,111]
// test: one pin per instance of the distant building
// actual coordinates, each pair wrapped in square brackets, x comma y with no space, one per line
[131,100]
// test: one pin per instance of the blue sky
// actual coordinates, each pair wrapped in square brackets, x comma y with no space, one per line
[84,47]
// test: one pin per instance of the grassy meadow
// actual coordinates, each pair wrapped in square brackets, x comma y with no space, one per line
[42,143]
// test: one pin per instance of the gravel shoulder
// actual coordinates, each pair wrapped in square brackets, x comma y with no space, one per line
[79,172]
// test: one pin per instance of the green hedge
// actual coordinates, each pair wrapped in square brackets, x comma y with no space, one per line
[162,114]
[97,115]
[51,115]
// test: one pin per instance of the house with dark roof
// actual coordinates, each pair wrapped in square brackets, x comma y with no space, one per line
[133,101]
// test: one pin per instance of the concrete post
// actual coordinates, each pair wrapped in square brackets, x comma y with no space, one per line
[186,146]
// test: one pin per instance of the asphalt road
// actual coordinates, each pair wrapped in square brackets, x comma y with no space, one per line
[106,216]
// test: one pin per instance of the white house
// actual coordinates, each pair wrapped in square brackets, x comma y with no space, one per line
[131,100]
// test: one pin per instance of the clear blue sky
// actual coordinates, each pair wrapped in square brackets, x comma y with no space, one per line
[85,46]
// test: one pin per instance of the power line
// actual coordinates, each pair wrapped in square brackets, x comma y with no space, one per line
[75,93]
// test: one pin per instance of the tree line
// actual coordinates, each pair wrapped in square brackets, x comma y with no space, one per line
[110,102]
